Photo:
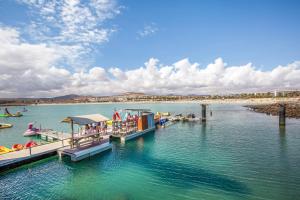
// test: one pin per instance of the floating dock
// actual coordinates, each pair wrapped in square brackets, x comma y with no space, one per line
[133,135]
[83,152]
[17,158]
[54,135]
[92,140]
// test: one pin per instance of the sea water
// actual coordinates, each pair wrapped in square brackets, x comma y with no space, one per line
[236,154]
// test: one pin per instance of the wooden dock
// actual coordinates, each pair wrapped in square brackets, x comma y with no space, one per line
[14,159]
[54,135]
[61,145]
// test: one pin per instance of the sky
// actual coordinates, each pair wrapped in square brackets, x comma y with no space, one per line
[107,47]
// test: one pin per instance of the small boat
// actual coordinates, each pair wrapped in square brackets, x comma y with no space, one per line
[164,114]
[17,147]
[4,150]
[18,114]
[24,110]
[176,118]
[191,118]
[8,114]
[30,144]
[5,125]
[31,130]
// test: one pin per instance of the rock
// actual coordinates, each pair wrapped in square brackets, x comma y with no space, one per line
[292,109]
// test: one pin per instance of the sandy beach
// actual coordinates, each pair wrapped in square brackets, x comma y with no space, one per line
[250,101]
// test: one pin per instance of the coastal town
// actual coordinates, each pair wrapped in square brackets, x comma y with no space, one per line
[141,97]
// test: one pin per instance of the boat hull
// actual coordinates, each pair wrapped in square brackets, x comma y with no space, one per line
[2,126]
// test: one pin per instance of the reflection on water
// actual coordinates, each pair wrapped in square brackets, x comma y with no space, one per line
[282,136]
[140,144]
[178,174]
[203,133]
[283,147]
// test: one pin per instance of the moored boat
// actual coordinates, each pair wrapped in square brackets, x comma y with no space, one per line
[31,130]
[2,125]
[17,147]
[18,114]
[4,150]
[8,114]
[191,118]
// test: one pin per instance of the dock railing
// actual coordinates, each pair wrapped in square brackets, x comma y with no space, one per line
[123,128]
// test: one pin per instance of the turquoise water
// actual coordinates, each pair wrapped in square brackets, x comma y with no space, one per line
[237,154]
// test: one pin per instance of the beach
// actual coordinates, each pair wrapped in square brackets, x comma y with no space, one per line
[250,101]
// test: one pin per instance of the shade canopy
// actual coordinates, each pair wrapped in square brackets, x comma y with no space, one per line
[86,119]
[137,110]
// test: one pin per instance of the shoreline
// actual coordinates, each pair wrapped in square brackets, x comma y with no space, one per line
[253,101]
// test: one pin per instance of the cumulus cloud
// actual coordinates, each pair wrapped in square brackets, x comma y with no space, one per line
[27,68]
[35,70]
[72,21]
[74,26]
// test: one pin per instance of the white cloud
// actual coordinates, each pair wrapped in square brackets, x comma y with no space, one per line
[148,30]
[29,70]
[72,25]
[72,21]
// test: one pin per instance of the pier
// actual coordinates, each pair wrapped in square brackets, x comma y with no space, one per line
[54,135]
[17,158]
[93,138]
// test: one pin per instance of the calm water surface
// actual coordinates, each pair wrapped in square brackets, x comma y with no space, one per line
[237,154]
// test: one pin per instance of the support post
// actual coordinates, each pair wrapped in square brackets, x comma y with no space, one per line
[281,113]
[203,112]
[72,133]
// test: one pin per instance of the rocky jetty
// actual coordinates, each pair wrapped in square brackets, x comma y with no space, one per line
[292,109]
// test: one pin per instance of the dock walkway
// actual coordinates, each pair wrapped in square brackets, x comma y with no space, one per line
[55,135]
[17,158]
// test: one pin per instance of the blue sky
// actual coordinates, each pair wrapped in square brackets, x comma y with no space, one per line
[264,32]
[125,34]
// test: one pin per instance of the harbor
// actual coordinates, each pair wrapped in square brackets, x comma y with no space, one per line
[94,136]
[149,100]
[230,138]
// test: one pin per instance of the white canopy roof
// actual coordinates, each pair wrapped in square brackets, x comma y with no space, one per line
[86,119]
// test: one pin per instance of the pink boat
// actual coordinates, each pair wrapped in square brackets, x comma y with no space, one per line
[31,130]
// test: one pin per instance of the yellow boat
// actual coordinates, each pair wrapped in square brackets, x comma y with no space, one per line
[18,114]
[5,126]
[165,114]
[4,150]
